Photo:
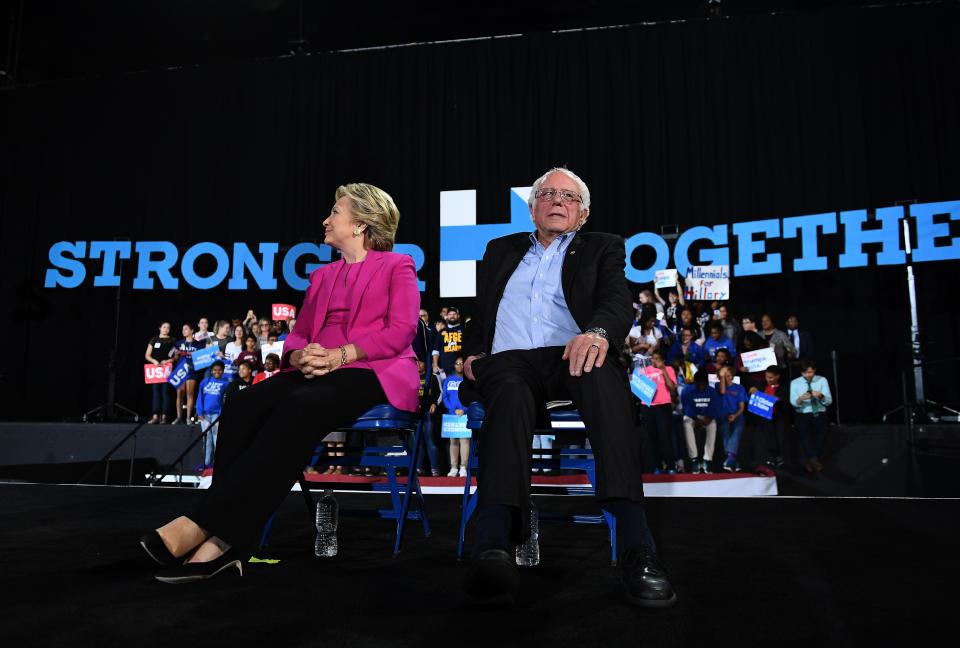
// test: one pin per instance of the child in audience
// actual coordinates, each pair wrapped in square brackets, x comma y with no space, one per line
[459,448]
[771,442]
[213,389]
[701,407]
[271,366]
[250,354]
[731,421]
[241,381]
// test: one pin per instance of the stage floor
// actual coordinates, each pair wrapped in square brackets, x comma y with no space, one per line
[783,571]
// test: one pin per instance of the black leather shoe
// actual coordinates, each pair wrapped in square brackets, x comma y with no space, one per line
[645,580]
[152,543]
[189,572]
[493,576]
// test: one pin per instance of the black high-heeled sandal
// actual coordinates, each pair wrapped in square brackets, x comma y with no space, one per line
[189,572]
[152,543]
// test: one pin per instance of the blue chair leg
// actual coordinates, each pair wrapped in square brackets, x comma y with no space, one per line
[469,502]
[417,491]
[265,534]
[404,507]
[612,523]
[610,519]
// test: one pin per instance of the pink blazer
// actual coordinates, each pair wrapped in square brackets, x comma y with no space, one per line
[384,312]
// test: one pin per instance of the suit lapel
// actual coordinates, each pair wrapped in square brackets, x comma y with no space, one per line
[371,266]
[571,263]
[509,263]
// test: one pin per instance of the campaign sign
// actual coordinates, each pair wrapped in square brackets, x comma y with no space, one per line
[707,283]
[665,278]
[713,379]
[642,387]
[754,361]
[281,312]
[204,357]
[761,404]
[156,374]
[180,373]
[454,427]
[276,347]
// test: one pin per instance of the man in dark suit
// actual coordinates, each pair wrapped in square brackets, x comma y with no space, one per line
[802,340]
[551,306]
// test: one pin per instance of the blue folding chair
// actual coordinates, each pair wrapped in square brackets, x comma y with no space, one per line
[381,418]
[564,459]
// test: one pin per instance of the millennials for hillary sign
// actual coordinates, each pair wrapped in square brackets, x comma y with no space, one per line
[707,283]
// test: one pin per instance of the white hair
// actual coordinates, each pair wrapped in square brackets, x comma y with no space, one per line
[581,185]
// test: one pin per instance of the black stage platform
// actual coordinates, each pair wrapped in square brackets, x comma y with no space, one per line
[861,460]
[778,571]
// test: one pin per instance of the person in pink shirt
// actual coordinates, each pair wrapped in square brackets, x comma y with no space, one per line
[349,351]
[657,416]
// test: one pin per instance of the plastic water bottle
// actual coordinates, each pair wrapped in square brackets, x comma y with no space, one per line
[328,517]
[528,554]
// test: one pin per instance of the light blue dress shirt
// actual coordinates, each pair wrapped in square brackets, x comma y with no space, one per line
[533,312]
[799,386]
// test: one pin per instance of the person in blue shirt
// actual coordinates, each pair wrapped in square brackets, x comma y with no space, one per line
[731,422]
[810,395]
[686,348]
[701,408]
[717,340]
[459,448]
[213,388]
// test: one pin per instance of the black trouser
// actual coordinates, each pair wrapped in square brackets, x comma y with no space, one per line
[772,437]
[161,399]
[514,386]
[812,430]
[268,433]
[658,420]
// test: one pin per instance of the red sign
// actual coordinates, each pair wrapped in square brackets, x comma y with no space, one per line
[281,312]
[153,374]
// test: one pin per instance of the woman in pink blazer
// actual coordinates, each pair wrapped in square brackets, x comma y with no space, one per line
[350,350]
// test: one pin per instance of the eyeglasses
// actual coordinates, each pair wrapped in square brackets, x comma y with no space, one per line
[565,195]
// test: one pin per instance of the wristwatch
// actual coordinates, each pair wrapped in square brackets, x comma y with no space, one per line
[596,330]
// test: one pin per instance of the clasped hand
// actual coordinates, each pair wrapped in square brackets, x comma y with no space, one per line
[315,360]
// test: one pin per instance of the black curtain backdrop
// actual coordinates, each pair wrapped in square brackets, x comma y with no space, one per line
[695,123]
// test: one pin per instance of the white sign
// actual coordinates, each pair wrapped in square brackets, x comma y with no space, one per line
[665,279]
[267,349]
[714,379]
[707,283]
[754,361]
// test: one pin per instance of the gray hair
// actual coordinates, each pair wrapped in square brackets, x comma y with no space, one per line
[581,185]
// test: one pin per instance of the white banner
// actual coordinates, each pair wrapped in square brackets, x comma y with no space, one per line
[759,360]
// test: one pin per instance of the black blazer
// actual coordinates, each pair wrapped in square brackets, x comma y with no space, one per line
[593,284]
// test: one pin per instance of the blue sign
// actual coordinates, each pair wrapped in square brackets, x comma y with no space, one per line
[642,387]
[762,404]
[156,262]
[204,357]
[462,241]
[180,373]
[454,427]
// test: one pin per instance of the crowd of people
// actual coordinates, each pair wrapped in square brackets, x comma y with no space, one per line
[691,349]
[240,362]
[694,351]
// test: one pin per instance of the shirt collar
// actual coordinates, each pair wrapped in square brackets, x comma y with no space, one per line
[563,239]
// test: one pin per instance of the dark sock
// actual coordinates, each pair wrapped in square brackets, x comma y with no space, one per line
[632,529]
[494,525]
